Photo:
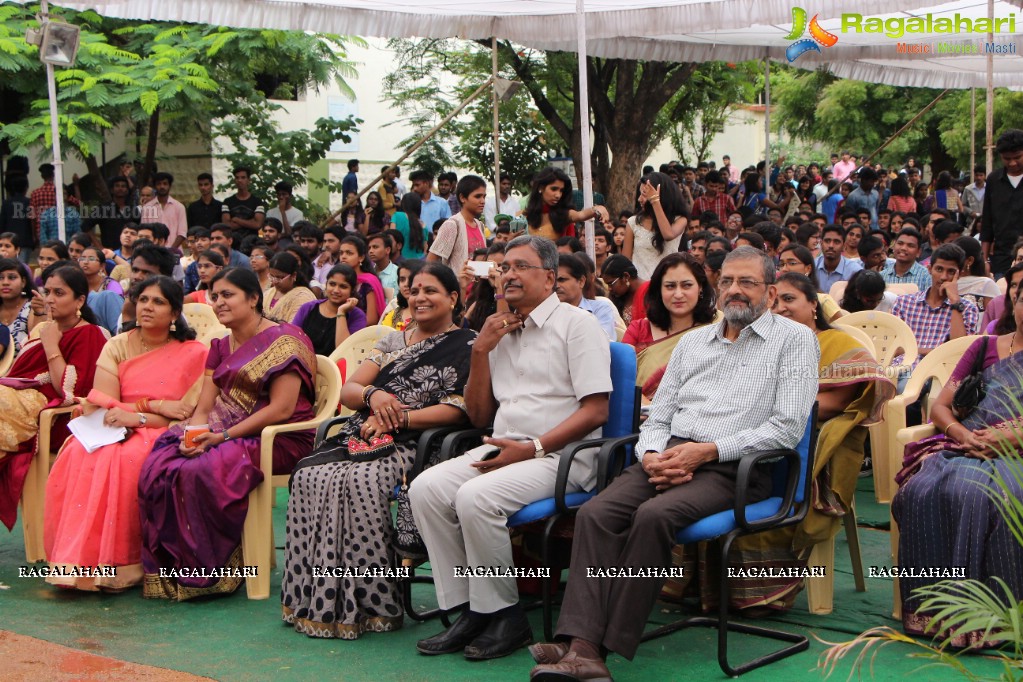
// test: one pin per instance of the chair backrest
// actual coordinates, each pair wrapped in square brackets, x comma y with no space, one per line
[889,334]
[938,364]
[623,405]
[8,359]
[201,318]
[837,290]
[354,349]
[328,388]
[214,333]
[856,333]
[806,448]
[903,288]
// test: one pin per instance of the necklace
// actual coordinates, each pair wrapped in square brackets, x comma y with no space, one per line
[671,330]
[412,333]
[1012,342]
[146,345]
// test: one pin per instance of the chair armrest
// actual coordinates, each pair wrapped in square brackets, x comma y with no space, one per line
[611,458]
[746,465]
[427,440]
[565,460]
[453,440]
[324,428]
[912,434]
[49,415]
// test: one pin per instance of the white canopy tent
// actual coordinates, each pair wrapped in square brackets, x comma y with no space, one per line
[661,30]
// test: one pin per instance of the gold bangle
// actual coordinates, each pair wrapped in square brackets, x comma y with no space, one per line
[53,357]
[945,432]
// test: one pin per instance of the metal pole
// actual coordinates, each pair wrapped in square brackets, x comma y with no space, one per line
[973,129]
[767,124]
[989,115]
[58,163]
[497,140]
[584,123]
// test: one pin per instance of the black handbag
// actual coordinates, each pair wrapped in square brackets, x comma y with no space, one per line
[971,390]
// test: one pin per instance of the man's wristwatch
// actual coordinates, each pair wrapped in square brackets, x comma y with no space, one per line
[958,306]
[538,446]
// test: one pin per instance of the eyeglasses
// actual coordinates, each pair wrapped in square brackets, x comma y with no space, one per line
[744,283]
[256,256]
[518,267]
[279,278]
[88,259]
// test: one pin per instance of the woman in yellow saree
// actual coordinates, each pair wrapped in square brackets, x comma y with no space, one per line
[679,299]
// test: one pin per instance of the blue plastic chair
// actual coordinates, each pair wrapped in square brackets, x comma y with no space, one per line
[787,506]
[623,418]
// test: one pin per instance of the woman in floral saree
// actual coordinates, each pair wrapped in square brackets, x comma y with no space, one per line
[194,499]
[338,512]
[946,517]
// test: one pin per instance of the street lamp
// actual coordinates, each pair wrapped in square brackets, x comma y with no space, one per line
[58,46]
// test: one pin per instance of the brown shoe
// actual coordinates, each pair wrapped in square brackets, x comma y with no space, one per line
[572,668]
[547,653]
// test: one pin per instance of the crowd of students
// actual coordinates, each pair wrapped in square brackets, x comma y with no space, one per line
[503,325]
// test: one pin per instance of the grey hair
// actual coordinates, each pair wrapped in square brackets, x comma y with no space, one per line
[543,247]
[752,253]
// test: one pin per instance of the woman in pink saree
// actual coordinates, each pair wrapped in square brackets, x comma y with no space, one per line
[194,499]
[145,379]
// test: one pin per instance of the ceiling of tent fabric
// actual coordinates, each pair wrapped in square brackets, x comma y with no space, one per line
[522,21]
[663,30]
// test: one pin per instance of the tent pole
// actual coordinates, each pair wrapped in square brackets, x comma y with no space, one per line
[973,129]
[767,124]
[433,131]
[989,114]
[58,160]
[497,141]
[584,123]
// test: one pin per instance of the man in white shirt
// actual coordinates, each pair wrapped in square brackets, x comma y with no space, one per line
[508,205]
[541,374]
[284,211]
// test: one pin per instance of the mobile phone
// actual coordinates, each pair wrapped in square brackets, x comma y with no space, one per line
[484,452]
[481,268]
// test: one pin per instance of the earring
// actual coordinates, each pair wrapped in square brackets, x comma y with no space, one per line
[78,312]
[174,326]
[452,307]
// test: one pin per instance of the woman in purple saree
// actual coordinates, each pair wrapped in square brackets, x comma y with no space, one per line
[946,518]
[194,499]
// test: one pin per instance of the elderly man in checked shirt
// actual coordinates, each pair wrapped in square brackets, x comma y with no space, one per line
[730,389]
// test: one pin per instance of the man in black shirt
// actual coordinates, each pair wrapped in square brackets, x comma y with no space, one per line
[243,211]
[1000,225]
[14,214]
[115,215]
[206,210]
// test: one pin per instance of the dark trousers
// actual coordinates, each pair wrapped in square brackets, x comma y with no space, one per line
[631,524]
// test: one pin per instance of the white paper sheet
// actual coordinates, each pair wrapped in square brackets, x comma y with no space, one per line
[93,434]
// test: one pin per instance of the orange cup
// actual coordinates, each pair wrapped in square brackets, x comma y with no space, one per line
[191,432]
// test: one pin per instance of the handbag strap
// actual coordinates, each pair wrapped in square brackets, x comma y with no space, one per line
[978,362]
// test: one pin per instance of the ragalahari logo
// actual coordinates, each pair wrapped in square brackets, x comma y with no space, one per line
[818,36]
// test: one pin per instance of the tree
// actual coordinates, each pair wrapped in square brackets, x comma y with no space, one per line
[726,85]
[848,114]
[633,105]
[166,81]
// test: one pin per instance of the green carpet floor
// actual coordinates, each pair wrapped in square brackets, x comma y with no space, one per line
[236,639]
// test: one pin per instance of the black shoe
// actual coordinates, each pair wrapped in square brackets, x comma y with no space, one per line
[455,638]
[503,636]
